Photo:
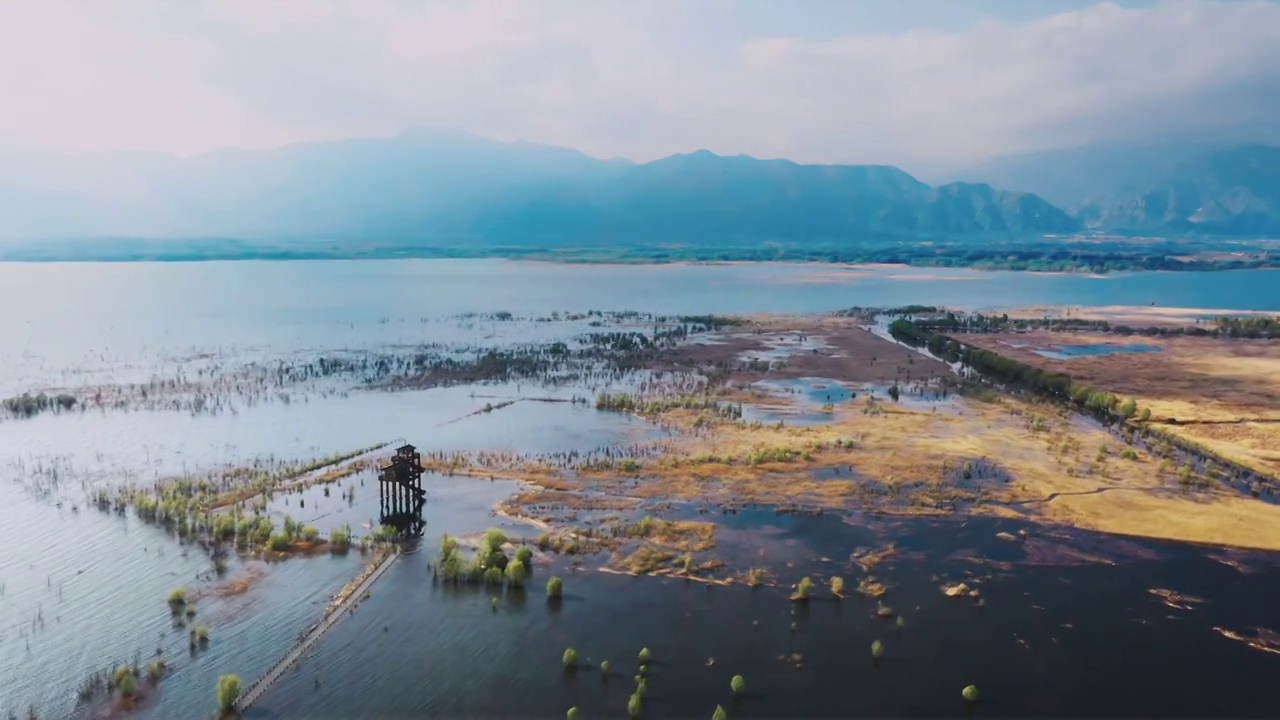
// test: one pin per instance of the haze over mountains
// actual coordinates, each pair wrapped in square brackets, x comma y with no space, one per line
[433,185]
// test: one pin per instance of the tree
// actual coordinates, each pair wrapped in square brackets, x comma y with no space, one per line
[517,574]
[644,655]
[738,684]
[525,556]
[340,539]
[970,693]
[804,588]
[228,692]
[570,657]
[719,714]
[877,649]
[894,392]
[1146,415]
[572,714]
[837,586]
[634,705]
[554,587]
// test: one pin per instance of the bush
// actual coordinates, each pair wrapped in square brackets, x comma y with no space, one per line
[202,633]
[572,714]
[837,586]
[719,714]
[340,539]
[525,556]
[970,693]
[877,649]
[554,587]
[604,666]
[644,655]
[517,574]
[570,657]
[493,576]
[634,706]
[738,683]
[279,542]
[310,533]
[228,692]
[126,685]
[804,588]
[178,596]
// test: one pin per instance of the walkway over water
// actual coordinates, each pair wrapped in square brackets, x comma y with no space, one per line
[331,618]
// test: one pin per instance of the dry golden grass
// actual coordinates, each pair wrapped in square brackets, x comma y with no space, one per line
[1137,316]
[1224,394]
[1057,475]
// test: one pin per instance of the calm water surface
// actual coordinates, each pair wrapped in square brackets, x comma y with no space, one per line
[80,590]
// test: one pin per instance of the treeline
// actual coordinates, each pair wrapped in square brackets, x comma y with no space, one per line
[27,405]
[1232,327]
[1015,374]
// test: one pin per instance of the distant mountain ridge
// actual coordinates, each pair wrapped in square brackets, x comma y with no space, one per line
[1227,192]
[424,186]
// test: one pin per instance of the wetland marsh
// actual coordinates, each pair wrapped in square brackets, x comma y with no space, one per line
[682,445]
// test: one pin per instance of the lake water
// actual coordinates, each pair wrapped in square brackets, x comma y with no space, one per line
[1066,352]
[81,590]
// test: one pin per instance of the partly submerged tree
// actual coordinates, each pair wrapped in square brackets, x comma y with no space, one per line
[228,693]
[570,657]
[554,587]
[738,684]
[719,714]
[970,693]
[517,574]
[804,588]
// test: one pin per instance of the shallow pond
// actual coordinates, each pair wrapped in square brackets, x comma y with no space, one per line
[1066,352]
[1061,640]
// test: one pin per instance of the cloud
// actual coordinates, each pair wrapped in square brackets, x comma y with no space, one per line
[641,79]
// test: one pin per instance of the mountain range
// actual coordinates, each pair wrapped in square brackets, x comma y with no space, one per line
[427,186]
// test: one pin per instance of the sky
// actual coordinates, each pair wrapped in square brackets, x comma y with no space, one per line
[936,82]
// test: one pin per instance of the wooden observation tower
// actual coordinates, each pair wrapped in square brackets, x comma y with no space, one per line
[400,491]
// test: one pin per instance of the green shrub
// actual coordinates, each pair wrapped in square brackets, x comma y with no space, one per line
[604,666]
[572,714]
[310,533]
[970,693]
[126,685]
[837,585]
[644,655]
[877,649]
[804,588]
[279,542]
[178,596]
[719,714]
[738,684]
[525,556]
[493,576]
[570,657]
[517,574]
[554,587]
[340,539]
[228,692]
[634,705]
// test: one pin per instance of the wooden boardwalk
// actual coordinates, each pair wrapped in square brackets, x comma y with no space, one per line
[255,691]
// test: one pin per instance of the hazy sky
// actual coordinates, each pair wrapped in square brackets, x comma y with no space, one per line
[904,81]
